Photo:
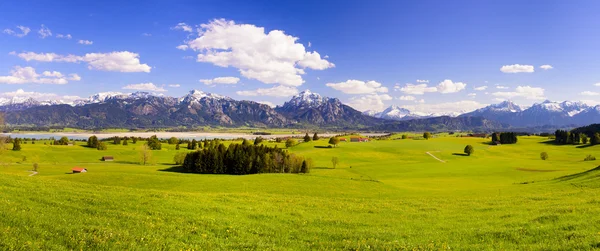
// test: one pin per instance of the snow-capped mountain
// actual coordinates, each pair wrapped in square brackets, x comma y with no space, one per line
[394,112]
[195,96]
[306,100]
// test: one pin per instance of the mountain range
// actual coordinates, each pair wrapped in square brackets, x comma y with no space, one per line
[307,109]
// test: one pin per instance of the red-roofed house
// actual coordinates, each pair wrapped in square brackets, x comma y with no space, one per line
[78,170]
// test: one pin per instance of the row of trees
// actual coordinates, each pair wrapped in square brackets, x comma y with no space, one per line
[504,138]
[244,159]
[563,137]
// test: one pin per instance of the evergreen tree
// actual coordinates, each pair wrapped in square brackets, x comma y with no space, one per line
[315,137]
[134,140]
[258,140]
[92,141]
[495,138]
[177,146]
[117,140]
[594,140]
[16,144]
[194,144]
[576,138]
[307,138]
[584,138]
[427,135]
[125,142]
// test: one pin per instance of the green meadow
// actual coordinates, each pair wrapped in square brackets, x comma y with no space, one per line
[383,195]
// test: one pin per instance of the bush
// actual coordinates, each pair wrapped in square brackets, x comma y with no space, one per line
[544,156]
[469,150]
[427,135]
[589,158]
[179,158]
[101,146]
[404,136]
[153,143]
[258,140]
[290,142]
[173,141]
[307,138]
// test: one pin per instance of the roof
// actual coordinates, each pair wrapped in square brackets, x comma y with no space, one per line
[78,169]
[108,157]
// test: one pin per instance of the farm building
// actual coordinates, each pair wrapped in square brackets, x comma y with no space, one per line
[342,139]
[359,140]
[78,170]
[108,158]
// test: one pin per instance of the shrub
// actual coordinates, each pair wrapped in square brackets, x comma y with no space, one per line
[427,135]
[179,158]
[544,156]
[101,146]
[469,150]
[335,161]
[258,140]
[290,143]
[153,143]
[16,144]
[315,137]
[307,138]
[589,158]
[173,141]
[404,136]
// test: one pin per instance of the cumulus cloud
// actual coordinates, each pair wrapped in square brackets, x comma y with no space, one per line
[119,61]
[501,87]
[597,84]
[24,31]
[546,67]
[419,89]
[20,93]
[422,81]
[480,88]
[373,102]
[407,98]
[85,42]
[276,91]
[28,75]
[221,81]
[527,92]
[44,32]
[447,86]
[183,27]
[358,87]
[68,36]
[589,93]
[516,68]
[472,94]
[144,87]
[174,85]
[271,58]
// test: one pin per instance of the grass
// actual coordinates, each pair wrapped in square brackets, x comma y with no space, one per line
[384,194]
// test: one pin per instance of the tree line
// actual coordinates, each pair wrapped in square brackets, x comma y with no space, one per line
[242,159]
[504,138]
[563,137]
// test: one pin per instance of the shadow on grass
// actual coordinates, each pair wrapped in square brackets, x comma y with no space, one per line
[585,146]
[174,169]
[323,147]
[488,143]
[460,154]
[577,175]
[551,142]
[322,167]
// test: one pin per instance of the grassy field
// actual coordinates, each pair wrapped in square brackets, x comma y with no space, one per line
[387,194]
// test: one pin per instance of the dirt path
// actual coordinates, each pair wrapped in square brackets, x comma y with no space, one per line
[433,156]
[32,173]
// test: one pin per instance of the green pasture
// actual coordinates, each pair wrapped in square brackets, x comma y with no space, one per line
[383,195]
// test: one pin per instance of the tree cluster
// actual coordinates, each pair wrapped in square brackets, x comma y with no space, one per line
[562,137]
[504,137]
[153,143]
[242,159]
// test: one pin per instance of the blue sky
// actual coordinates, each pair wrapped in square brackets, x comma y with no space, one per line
[427,56]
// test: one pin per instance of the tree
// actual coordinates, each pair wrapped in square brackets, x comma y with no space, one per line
[404,136]
[177,146]
[194,144]
[16,144]
[258,140]
[576,138]
[469,150]
[304,167]
[125,142]
[245,142]
[495,138]
[334,141]
[315,137]
[427,135]
[101,146]
[584,138]
[544,156]
[307,138]
[334,161]
[35,167]
[153,143]
[145,154]
[134,140]
[173,141]
[179,158]
[595,139]
[117,140]
[92,141]
[290,142]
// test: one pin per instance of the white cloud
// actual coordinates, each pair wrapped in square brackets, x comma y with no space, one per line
[74,77]
[527,92]
[119,61]
[85,42]
[44,32]
[422,81]
[183,27]
[174,85]
[358,87]
[266,103]
[472,94]
[25,75]
[183,47]
[419,89]
[20,93]
[501,87]
[546,67]
[407,98]
[589,93]
[144,87]
[446,108]
[271,58]
[591,102]
[369,102]
[309,44]
[420,101]
[480,88]
[447,86]
[68,36]
[516,68]
[221,80]
[146,34]
[24,31]
[276,91]
[597,84]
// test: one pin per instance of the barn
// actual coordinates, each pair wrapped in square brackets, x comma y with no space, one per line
[78,170]
[108,158]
